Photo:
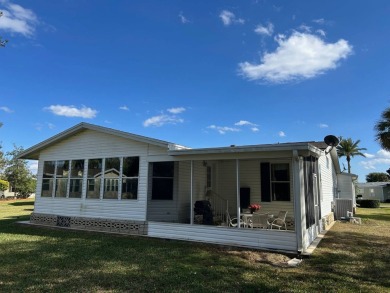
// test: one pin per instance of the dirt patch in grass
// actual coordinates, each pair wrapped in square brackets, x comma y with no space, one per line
[274,259]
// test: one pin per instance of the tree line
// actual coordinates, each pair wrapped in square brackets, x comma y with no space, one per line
[15,174]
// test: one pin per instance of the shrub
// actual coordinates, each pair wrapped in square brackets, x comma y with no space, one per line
[3,185]
[370,203]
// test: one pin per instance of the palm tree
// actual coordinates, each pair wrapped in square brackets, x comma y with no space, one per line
[382,128]
[348,148]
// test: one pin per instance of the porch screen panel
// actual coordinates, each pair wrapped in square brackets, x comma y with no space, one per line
[309,200]
[48,178]
[265,178]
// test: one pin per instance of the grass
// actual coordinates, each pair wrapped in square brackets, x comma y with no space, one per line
[351,258]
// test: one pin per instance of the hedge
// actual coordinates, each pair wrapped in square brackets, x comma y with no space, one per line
[369,203]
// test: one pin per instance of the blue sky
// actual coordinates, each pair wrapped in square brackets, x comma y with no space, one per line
[198,73]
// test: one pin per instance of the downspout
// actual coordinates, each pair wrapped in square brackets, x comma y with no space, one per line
[297,171]
[238,192]
[191,194]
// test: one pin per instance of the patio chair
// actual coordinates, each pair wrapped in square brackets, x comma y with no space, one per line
[260,221]
[233,222]
[280,221]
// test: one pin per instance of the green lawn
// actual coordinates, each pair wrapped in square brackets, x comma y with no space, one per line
[351,258]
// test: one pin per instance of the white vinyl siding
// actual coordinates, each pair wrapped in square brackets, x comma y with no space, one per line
[328,184]
[90,145]
[260,239]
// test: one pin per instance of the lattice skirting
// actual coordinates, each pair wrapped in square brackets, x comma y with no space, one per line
[106,225]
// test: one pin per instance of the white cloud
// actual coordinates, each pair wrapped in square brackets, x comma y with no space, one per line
[321,32]
[252,126]
[223,129]
[305,28]
[183,19]
[319,21]
[372,161]
[40,126]
[161,120]
[244,122]
[6,109]
[323,125]
[72,111]
[16,19]
[124,108]
[281,134]
[265,30]
[301,56]
[229,18]
[369,156]
[51,125]
[177,110]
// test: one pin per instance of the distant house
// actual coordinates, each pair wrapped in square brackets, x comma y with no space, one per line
[374,190]
[96,178]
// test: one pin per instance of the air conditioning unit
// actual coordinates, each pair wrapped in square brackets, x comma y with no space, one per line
[343,208]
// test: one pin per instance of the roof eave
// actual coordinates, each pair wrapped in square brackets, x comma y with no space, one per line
[247,149]
[33,152]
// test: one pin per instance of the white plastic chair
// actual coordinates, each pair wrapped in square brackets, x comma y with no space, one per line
[280,221]
[233,222]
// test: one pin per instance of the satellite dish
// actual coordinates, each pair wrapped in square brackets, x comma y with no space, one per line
[331,141]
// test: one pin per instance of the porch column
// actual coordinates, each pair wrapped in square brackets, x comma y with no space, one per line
[191,194]
[238,193]
[299,199]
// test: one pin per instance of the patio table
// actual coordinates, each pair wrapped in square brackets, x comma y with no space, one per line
[246,217]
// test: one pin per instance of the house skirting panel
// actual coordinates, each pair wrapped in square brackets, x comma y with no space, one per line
[327,221]
[95,224]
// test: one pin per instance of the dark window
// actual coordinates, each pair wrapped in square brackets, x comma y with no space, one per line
[130,178]
[275,182]
[130,167]
[280,182]
[265,182]
[162,181]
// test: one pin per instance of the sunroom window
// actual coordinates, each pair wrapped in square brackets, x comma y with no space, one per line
[111,178]
[94,178]
[130,175]
[76,178]
[62,176]
[48,178]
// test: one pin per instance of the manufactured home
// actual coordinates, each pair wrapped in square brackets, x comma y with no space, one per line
[374,190]
[96,178]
